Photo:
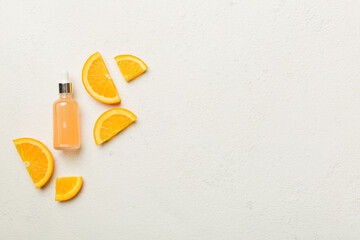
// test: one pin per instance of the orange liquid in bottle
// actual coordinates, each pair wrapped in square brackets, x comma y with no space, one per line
[66,123]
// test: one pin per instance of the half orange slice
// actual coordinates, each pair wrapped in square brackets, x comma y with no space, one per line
[97,80]
[37,158]
[130,66]
[111,123]
[67,187]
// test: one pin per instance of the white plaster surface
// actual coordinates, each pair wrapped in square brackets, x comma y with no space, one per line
[248,119]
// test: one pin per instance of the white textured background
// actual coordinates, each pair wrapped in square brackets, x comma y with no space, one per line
[248,119]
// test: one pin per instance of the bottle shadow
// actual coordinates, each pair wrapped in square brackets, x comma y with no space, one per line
[71,153]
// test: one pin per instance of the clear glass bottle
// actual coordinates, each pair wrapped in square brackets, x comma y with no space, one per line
[66,118]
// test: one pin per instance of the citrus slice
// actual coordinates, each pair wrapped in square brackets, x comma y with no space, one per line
[111,123]
[67,187]
[37,158]
[130,66]
[97,80]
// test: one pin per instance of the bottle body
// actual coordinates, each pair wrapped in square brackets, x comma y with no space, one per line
[66,123]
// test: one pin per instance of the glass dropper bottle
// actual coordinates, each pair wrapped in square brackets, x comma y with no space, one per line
[66,117]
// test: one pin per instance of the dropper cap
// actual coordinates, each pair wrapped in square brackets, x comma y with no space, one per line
[65,85]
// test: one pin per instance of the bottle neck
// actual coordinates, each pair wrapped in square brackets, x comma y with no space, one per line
[65,95]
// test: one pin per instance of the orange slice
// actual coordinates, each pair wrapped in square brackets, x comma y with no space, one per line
[111,123]
[37,158]
[67,187]
[130,66]
[97,80]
